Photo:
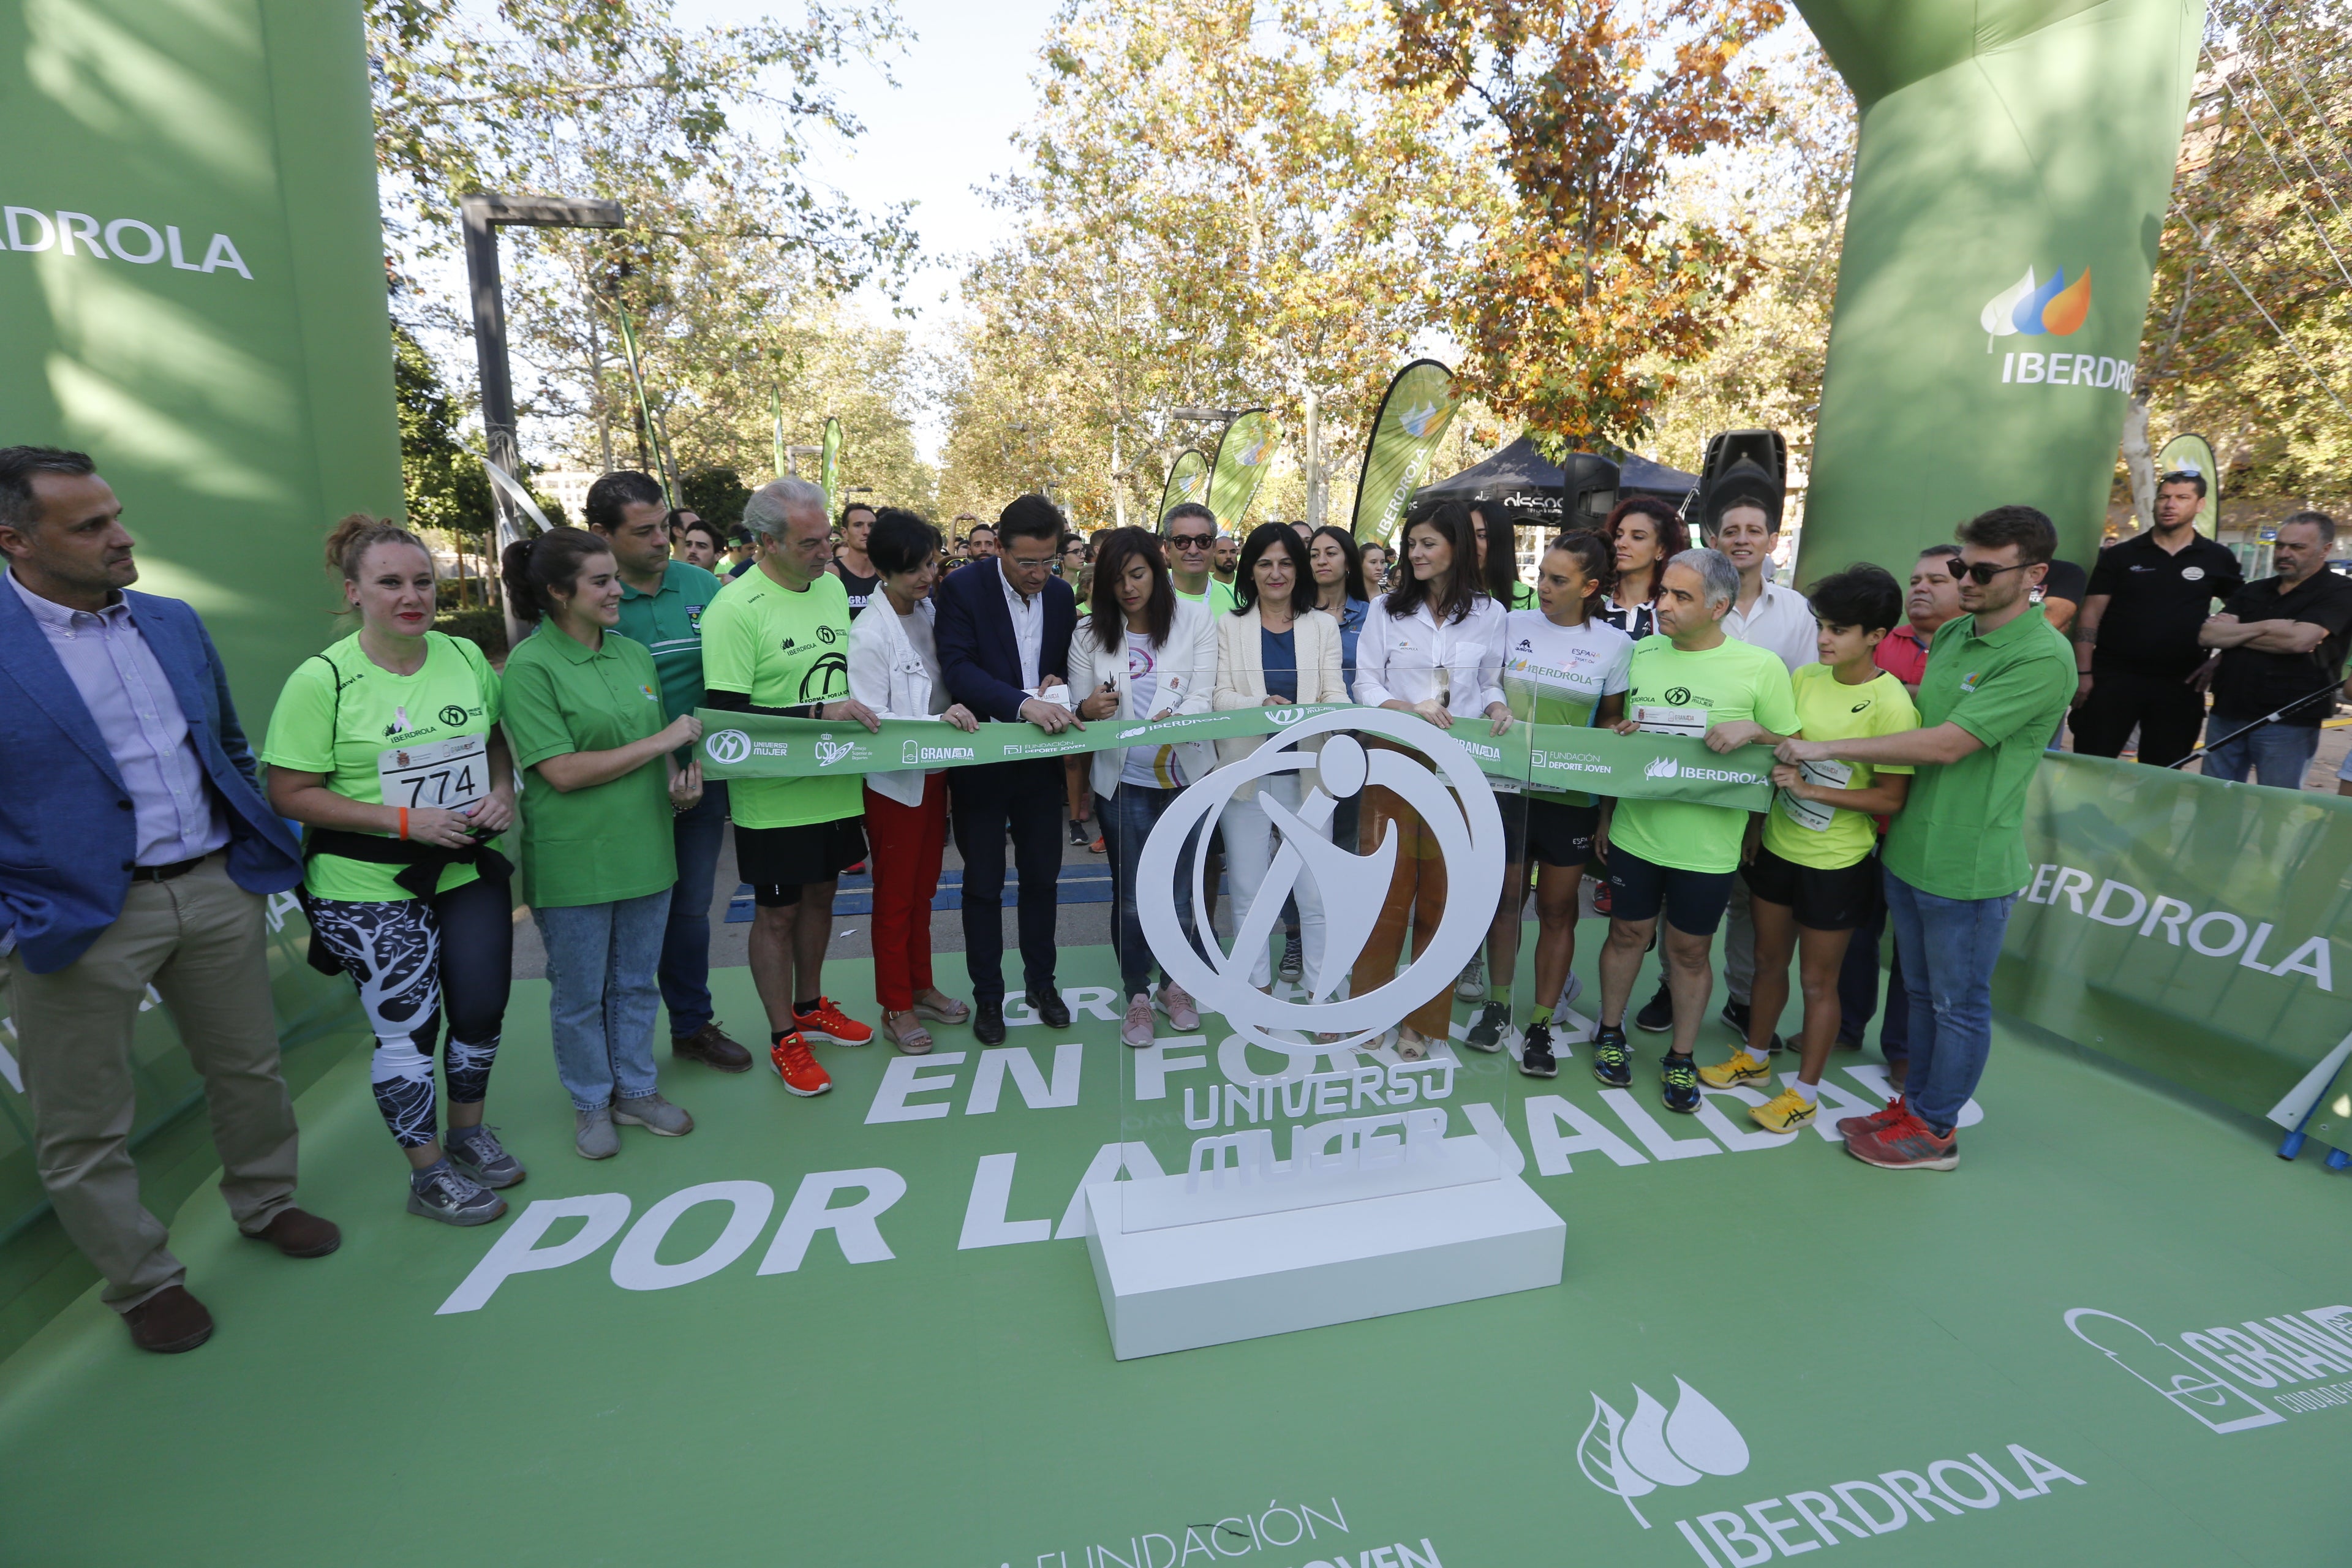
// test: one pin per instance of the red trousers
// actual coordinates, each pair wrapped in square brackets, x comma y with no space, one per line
[907,843]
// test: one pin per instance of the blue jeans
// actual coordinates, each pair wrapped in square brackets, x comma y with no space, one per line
[601,960]
[1948,947]
[1127,819]
[686,943]
[2276,754]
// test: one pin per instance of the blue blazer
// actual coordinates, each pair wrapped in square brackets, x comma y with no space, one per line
[974,631]
[66,835]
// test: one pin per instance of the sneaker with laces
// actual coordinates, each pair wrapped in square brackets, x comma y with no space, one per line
[477,1152]
[442,1192]
[1657,1015]
[1741,1069]
[791,1059]
[1569,992]
[1174,1000]
[1536,1059]
[1784,1112]
[1472,986]
[826,1022]
[1077,834]
[1486,1033]
[655,1114]
[1678,1083]
[1294,957]
[1612,1064]
[1134,1030]
[1905,1145]
[1887,1115]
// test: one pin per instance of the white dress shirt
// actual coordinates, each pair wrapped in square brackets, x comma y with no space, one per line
[1414,658]
[1028,627]
[1780,622]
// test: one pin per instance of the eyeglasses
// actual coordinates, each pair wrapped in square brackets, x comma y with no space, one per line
[1983,571]
[1191,541]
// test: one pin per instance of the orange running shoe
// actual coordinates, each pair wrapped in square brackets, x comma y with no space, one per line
[826,1022]
[798,1068]
[1878,1122]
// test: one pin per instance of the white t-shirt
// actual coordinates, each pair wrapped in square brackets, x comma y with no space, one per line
[1154,767]
[1558,674]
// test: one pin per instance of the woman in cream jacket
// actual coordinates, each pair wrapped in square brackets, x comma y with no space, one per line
[1273,650]
[1141,653]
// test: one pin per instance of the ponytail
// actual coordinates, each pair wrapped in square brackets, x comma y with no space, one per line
[348,544]
[532,567]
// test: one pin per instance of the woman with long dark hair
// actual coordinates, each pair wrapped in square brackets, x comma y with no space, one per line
[1499,554]
[1643,534]
[1141,653]
[1434,647]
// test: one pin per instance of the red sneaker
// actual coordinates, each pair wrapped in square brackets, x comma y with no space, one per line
[798,1068]
[826,1022]
[1877,1120]
[1906,1146]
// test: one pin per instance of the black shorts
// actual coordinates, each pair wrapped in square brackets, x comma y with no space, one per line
[779,861]
[1556,833]
[1693,900]
[1823,901]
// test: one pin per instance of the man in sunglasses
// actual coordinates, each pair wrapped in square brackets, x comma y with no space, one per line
[1998,678]
[2136,639]
[1191,531]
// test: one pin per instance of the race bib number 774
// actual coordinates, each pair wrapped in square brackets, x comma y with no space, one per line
[450,774]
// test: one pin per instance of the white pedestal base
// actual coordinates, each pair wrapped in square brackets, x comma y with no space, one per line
[1209,1284]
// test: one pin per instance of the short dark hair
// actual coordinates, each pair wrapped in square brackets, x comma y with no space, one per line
[1939,550]
[533,568]
[1103,614]
[1268,536]
[980,527]
[2183,477]
[1861,595]
[843,522]
[1030,516]
[708,530]
[1188,508]
[17,467]
[2318,519]
[899,541]
[613,492]
[2028,528]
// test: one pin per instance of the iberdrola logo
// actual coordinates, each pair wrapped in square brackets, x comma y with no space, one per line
[1251,456]
[1417,421]
[2056,308]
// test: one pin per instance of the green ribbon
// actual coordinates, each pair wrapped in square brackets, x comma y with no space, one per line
[1545,757]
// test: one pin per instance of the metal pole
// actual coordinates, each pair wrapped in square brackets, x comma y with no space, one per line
[490,354]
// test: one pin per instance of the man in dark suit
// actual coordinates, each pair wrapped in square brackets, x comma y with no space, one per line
[135,849]
[1005,625]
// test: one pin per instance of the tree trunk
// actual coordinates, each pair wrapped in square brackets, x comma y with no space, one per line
[2139,458]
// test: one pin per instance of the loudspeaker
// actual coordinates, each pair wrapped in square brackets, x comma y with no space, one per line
[1742,467]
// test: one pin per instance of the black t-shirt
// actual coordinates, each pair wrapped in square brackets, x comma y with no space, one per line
[2155,603]
[860,589]
[2066,581]
[2249,683]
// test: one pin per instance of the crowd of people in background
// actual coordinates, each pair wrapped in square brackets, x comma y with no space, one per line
[1906,716]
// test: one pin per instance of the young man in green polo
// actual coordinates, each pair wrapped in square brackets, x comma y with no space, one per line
[1996,682]
[662,603]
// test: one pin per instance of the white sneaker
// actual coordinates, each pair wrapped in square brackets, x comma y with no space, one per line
[1172,999]
[1569,992]
[1136,1032]
[1472,986]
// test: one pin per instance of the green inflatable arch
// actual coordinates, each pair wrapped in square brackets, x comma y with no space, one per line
[2016,158]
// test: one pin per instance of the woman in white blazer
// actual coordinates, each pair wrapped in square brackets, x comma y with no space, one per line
[1141,653]
[1273,649]
[894,668]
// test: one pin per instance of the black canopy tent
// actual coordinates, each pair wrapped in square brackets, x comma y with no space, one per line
[1522,479]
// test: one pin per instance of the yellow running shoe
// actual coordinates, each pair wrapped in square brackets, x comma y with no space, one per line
[1741,1069]
[1784,1112]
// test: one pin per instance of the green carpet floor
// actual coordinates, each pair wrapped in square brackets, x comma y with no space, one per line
[1879,1342]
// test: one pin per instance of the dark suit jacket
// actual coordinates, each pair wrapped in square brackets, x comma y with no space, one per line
[67,832]
[974,630]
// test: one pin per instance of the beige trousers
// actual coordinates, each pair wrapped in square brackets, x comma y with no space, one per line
[199,939]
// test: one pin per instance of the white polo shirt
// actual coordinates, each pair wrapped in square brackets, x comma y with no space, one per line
[1780,622]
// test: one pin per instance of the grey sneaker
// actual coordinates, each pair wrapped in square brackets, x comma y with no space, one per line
[592,1133]
[478,1153]
[1472,986]
[440,1192]
[655,1114]
[1294,957]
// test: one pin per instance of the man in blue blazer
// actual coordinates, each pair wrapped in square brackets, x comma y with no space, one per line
[135,850]
[1004,631]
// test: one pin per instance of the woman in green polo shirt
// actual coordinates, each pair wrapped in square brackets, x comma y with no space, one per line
[386,747]
[584,714]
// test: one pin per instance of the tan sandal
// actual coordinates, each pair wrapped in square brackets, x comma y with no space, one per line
[946,1010]
[912,1040]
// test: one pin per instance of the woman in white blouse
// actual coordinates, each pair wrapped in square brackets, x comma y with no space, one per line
[1434,647]
[894,668]
[1274,650]
[1138,653]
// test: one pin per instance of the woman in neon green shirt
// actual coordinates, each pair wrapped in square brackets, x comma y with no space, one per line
[386,747]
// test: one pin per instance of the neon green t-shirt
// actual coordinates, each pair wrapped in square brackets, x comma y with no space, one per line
[1672,692]
[783,649]
[387,739]
[1829,837]
[1218,597]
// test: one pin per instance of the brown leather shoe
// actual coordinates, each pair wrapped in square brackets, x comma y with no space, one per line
[298,1234]
[709,1046]
[169,1321]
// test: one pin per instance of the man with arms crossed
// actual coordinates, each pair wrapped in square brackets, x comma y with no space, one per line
[135,849]
[1996,682]
[2282,642]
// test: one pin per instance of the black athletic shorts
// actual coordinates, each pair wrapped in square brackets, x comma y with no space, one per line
[779,861]
[1639,888]
[1551,832]
[1823,901]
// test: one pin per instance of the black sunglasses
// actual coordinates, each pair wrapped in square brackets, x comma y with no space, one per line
[1191,541]
[1984,571]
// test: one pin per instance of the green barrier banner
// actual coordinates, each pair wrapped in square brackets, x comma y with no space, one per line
[2192,928]
[1639,766]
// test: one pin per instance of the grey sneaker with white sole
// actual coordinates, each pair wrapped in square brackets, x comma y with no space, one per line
[655,1114]
[442,1192]
[478,1153]
[593,1135]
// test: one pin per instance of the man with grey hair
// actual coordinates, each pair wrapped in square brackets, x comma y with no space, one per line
[776,641]
[1676,856]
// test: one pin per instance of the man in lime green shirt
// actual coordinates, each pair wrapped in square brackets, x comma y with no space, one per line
[1191,531]
[1996,682]
[776,641]
[662,602]
[1675,857]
